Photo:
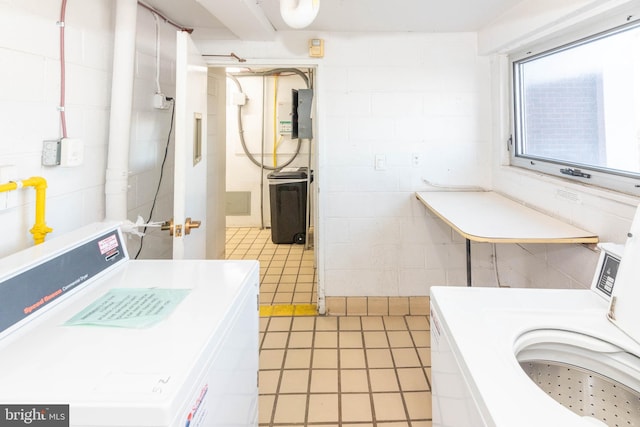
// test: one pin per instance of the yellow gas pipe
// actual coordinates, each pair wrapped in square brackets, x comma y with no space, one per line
[40,228]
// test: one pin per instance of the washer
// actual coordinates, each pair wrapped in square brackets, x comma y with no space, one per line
[175,342]
[541,357]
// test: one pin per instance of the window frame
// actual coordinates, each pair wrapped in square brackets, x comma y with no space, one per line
[608,179]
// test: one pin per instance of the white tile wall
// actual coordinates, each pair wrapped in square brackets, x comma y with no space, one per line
[29,95]
[391,94]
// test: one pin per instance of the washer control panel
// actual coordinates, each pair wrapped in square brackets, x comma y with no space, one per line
[608,272]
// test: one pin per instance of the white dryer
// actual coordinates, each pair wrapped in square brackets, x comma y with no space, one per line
[541,357]
[91,338]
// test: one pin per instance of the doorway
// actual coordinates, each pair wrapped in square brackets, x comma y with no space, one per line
[260,140]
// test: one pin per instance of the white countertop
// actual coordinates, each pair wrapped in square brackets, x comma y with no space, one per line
[485,216]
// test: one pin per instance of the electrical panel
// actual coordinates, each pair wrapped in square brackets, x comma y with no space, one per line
[301,114]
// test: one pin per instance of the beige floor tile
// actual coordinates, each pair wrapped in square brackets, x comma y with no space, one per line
[274,271]
[406,357]
[418,404]
[324,381]
[301,339]
[356,407]
[305,278]
[400,339]
[350,323]
[303,323]
[383,380]
[271,359]
[379,358]
[265,408]
[389,407]
[286,287]
[418,323]
[326,323]
[288,278]
[352,359]
[326,340]
[323,408]
[350,339]
[413,379]
[291,408]
[266,298]
[303,298]
[421,424]
[425,355]
[394,323]
[264,321]
[294,381]
[293,271]
[268,288]
[376,339]
[372,323]
[279,324]
[298,359]
[283,298]
[354,381]
[325,359]
[268,382]
[304,287]
[275,340]
[396,424]
[421,338]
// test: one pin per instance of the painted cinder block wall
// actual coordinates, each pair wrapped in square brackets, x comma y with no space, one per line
[440,96]
[29,96]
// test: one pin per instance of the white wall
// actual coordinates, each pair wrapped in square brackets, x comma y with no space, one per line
[395,95]
[605,213]
[29,96]
[150,135]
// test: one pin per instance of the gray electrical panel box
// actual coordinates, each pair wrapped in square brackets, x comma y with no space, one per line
[301,126]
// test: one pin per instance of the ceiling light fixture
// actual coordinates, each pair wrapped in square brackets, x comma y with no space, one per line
[298,14]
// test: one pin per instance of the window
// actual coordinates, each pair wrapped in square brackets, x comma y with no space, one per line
[577,110]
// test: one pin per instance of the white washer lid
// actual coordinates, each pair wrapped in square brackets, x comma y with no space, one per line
[624,309]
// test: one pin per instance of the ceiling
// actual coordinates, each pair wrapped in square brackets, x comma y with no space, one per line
[260,19]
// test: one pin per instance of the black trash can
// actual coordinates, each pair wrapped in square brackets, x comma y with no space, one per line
[288,197]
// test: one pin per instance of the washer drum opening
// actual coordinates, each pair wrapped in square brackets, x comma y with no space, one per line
[589,376]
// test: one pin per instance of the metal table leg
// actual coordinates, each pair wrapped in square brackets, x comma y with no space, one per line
[468,243]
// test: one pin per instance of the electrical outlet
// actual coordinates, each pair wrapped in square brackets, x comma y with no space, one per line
[71,152]
[381,162]
[415,160]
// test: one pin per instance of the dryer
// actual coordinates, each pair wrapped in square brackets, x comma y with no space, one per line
[541,357]
[89,337]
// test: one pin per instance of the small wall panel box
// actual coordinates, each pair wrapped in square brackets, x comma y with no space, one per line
[316,48]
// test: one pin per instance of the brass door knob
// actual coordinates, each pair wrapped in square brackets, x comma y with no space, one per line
[189,224]
[167,225]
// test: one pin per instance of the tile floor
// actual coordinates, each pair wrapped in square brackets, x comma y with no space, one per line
[287,272]
[326,371]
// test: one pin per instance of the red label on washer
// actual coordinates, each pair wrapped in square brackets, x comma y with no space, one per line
[108,244]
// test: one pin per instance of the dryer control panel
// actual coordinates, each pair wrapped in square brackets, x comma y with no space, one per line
[55,273]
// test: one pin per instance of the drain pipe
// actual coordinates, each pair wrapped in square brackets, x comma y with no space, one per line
[124,49]
[40,229]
